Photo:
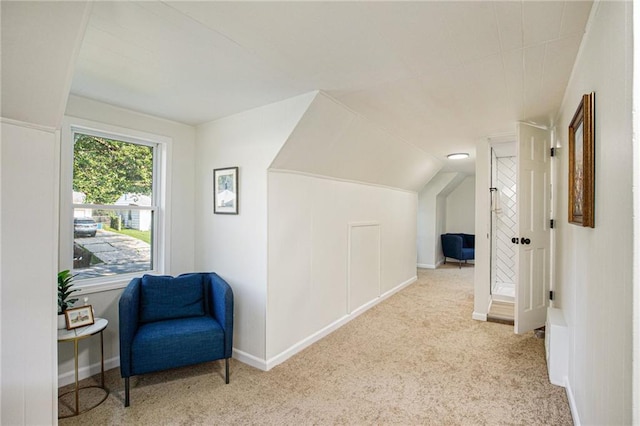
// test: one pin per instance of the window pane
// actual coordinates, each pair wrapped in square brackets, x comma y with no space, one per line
[105,170]
[110,242]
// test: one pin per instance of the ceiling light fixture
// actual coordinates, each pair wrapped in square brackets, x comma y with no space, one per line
[458,156]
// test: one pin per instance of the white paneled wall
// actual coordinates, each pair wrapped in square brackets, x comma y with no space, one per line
[335,247]
[363,264]
[595,266]
[29,265]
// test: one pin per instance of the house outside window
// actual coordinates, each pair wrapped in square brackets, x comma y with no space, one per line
[115,183]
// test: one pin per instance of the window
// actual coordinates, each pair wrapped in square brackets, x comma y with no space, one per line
[113,198]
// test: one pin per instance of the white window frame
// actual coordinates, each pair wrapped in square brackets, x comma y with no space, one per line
[162,147]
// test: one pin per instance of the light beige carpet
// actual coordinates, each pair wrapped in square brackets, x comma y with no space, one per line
[417,358]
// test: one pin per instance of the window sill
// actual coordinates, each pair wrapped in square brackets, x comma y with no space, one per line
[99,285]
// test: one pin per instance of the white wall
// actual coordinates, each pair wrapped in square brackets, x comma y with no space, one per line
[28,276]
[481,277]
[309,227]
[432,217]
[461,205]
[179,255]
[236,246]
[594,266]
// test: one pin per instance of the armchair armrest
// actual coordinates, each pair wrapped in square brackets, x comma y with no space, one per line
[128,316]
[469,241]
[221,303]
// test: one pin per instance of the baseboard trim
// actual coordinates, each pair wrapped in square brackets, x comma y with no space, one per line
[478,316]
[430,265]
[318,335]
[249,359]
[308,341]
[572,402]
[87,371]
[84,372]
[396,289]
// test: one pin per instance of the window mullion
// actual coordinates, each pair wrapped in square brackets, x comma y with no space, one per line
[113,207]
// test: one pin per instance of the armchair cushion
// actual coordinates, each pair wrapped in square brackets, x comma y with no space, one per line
[165,297]
[161,345]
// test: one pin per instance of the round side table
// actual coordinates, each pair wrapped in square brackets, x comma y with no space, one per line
[75,336]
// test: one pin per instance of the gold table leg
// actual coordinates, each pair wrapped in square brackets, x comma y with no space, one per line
[102,357]
[75,355]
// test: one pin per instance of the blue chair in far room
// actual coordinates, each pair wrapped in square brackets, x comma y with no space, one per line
[458,246]
[169,322]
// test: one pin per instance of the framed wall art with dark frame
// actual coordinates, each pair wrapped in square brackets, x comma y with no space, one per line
[582,163]
[225,190]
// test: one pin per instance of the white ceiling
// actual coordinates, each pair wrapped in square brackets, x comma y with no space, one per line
[437,74]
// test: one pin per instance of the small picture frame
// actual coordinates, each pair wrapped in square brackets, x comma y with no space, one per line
[582,163]
[79,317]
[225,191]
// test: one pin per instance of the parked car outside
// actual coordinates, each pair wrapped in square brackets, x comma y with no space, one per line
[84,226]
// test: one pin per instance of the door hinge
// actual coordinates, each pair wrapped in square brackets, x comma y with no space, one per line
[553,152]
[551,295]
[552,224]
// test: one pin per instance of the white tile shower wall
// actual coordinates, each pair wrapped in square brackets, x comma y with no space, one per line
[505,223]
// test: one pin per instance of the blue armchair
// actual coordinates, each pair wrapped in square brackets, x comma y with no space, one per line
[458,246]
[168,322]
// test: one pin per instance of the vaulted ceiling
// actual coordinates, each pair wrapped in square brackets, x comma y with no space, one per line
[439,74]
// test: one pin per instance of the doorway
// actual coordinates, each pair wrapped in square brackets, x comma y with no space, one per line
[532,239]
[503,222]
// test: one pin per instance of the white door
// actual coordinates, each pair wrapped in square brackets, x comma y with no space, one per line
[534,237]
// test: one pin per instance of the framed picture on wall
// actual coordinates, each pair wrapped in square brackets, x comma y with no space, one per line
[225,190]
[582,163]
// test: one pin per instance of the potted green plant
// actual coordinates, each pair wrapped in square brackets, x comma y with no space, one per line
[65,282]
